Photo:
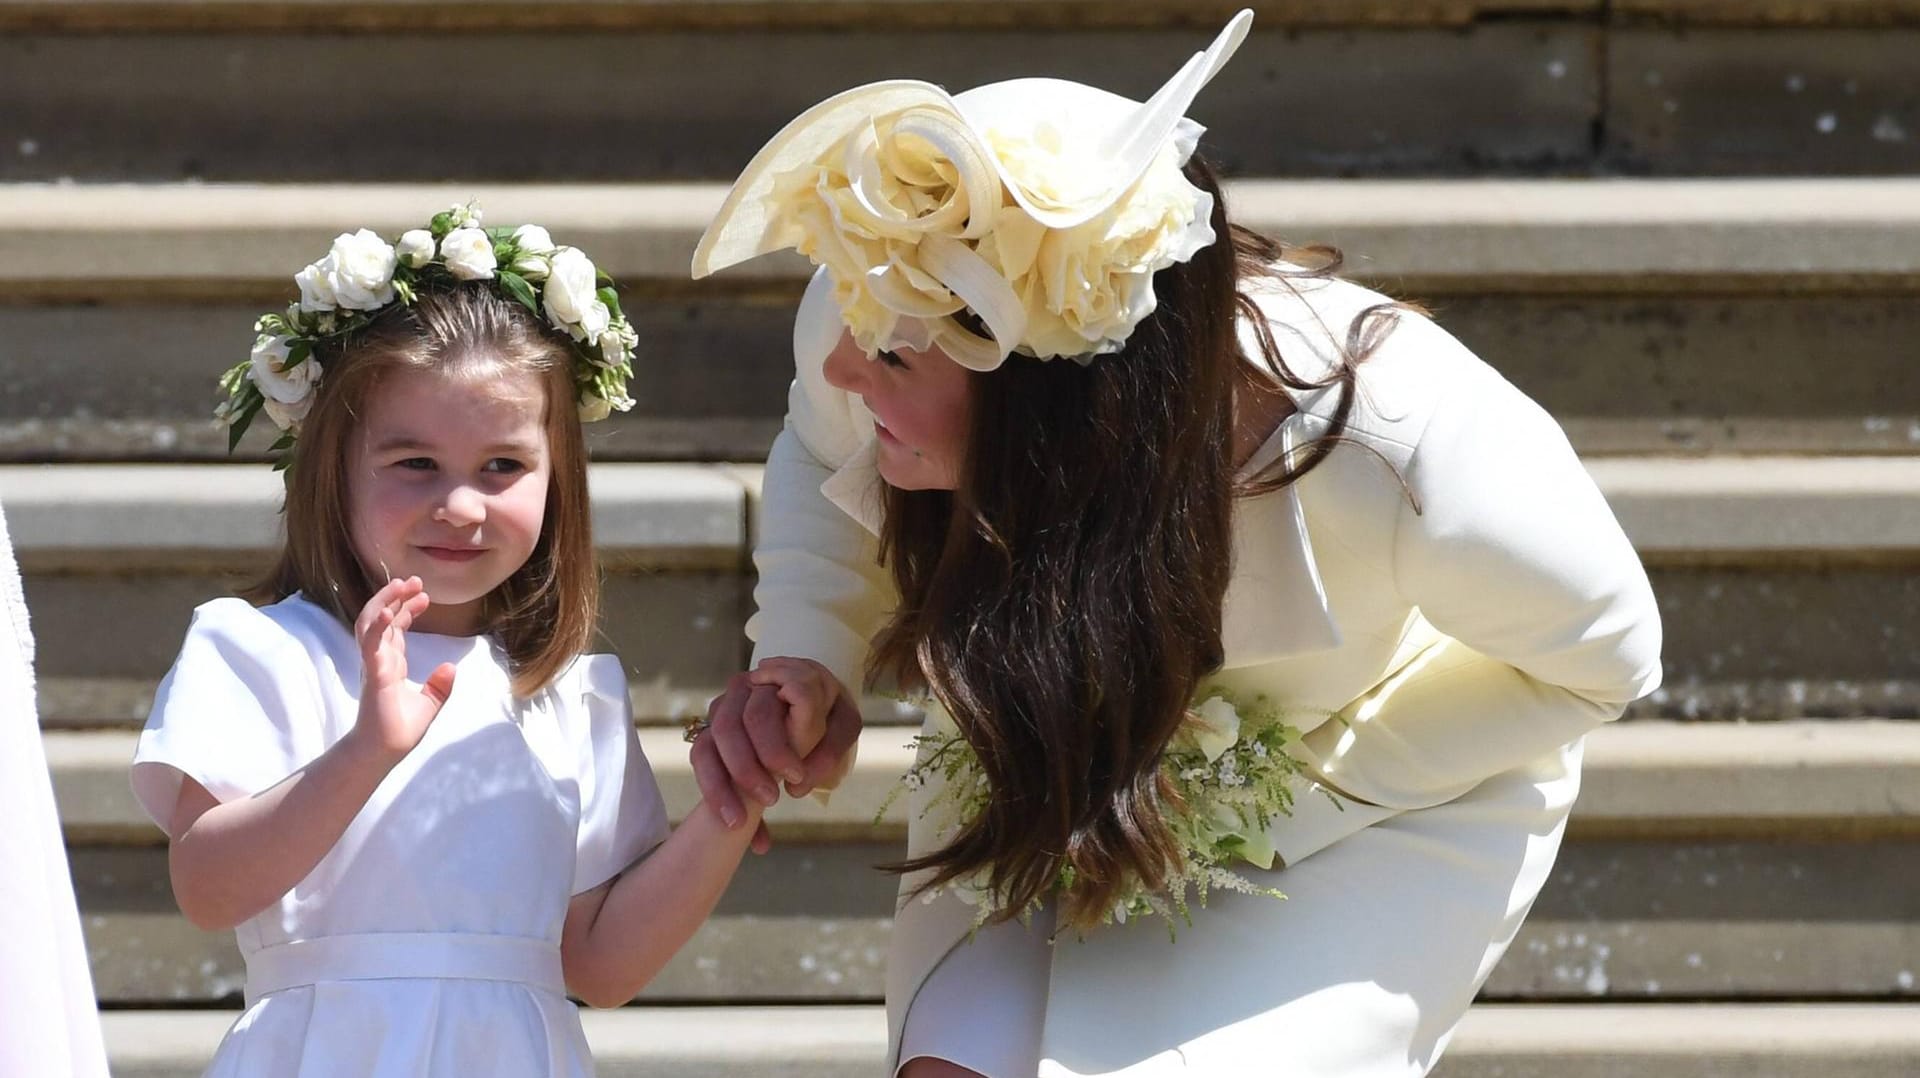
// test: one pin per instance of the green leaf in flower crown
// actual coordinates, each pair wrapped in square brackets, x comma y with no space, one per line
[518,287]
[612,299]
[404,289]
[441,224]
[298,352]
[601,276]
[236,374]
[282,443]
[251,403]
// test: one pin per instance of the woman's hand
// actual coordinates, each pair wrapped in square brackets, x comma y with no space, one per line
[789,718]
[394,715]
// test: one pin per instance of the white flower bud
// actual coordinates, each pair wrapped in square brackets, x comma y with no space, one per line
[533,240]
[415,247]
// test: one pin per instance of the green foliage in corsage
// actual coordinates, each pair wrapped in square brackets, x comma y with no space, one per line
[1231,768]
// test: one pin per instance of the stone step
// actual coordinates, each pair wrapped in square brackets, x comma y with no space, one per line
[1682,1040]
[103,90]
[1649,316]
[1786,584]
[1677,511]
[1770,861]
[1645,779]
[97,241]
[359,16]
[1643,920]
[1584,1041]
[1625,374]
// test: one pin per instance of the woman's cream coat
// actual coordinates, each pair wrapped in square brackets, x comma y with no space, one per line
[1448,591]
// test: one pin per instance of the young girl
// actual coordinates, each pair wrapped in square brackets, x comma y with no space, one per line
[419,873]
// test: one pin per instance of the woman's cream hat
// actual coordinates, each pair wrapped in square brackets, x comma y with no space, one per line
[1043,206]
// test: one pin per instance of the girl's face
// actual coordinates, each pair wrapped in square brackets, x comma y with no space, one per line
[921,402]
[448,482]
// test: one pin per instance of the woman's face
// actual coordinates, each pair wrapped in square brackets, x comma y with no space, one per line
[921,402]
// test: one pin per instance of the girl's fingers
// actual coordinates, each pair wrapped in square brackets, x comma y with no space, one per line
[377,603]
[716,785]
[439,685]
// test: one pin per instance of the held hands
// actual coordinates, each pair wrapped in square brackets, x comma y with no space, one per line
[394,715]
[789,720]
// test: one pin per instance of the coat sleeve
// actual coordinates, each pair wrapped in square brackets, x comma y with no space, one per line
[821,593]
[1548,625]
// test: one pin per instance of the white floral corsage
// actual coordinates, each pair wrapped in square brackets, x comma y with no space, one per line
[1232,768]
[363,274]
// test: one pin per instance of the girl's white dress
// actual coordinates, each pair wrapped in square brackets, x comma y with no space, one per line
[427,941]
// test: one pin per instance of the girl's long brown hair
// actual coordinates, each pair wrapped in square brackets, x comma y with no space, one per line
[1064,602]
[545,613]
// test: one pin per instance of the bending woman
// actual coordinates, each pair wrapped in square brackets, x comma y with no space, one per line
[1078,460]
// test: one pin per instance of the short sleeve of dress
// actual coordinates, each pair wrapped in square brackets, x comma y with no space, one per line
[622,815]
[236,712]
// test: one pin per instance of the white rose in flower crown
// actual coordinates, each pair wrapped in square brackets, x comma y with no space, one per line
[569,295]
[415,248]
[532,239]
[358,271]
[469,254]
[277,381]
[286,416]
[536,246]
[316,294]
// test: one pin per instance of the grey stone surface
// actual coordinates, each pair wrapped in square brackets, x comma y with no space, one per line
[1732,101]
[356,15]
[1494,1041]
[632,105]
[1754,642]
[1625,373]
[675,630]
[1799,781]
[136,381]
[1620,921]
[1846,632]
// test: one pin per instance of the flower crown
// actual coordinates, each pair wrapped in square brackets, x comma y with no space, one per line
[363,275]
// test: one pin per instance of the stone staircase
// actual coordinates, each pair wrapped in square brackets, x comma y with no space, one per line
[1690,228]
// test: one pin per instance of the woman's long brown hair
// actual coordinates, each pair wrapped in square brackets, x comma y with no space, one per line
[1064,602]
[545,614]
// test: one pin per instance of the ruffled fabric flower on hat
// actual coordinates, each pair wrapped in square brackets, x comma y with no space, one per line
[1037,209]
